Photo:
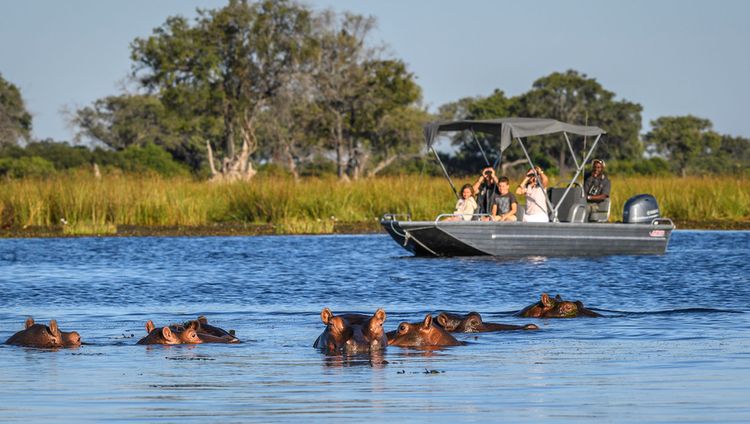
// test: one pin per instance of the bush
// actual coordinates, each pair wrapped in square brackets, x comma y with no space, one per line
[150,158]
[33,166]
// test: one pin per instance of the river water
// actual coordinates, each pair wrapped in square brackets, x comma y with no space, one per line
[674,345]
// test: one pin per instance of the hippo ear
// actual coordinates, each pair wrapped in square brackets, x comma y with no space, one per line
[326,315]
[29,322]
[53,326]
[558,297]
[442,319]
[380,315]
[150,326]
[166,332]
[546,301]
[202,319]
[427,321]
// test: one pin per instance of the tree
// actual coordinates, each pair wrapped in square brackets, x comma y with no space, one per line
[15,120]
[573,98]
[684,140]
[222,72]
[338,72]
[136,120]
[389,123]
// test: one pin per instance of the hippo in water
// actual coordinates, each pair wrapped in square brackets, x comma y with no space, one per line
[556,307]
[472,323]
[207,332]
[165,336]
[44,336]
[352,333]
[421,335]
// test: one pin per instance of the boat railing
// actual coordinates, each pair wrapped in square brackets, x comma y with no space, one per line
[474,216]
[393,216]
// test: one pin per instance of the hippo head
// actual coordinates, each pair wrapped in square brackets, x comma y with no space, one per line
[70,339]
[38,335]
[211,334]
[469,323]
[189,335]
[352,332]
[423,334]
[373,330]
[163,335]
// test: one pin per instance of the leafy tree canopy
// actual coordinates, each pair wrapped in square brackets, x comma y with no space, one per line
[15,120]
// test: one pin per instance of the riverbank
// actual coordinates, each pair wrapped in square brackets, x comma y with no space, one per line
[131,205]
[224,230]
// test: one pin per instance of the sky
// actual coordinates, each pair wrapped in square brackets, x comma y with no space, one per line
[672,57]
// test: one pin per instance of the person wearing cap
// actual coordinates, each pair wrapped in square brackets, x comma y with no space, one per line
[596,186]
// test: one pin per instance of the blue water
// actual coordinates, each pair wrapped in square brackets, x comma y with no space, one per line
[674,347]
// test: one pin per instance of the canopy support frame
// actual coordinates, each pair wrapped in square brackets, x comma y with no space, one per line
[445,172]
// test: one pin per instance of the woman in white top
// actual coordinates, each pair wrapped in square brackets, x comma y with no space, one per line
[536,201]
[465,206]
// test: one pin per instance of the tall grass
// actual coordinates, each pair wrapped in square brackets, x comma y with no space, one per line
[83,204]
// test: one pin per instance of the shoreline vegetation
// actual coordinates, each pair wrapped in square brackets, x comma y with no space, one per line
[76,204]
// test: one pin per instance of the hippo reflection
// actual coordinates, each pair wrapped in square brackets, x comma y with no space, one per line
[207,332]
[421,335]
[352,332]
[556,307]
[472,323]
[44,336]
[165,336]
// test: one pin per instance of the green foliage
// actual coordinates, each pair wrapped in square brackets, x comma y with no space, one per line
[27,166]
[150,158]
[574,98]
[684,140]
[652,166]
[15,120]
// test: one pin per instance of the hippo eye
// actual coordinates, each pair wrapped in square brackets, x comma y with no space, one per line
[402,328]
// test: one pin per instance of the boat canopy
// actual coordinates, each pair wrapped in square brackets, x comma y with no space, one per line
[509,128]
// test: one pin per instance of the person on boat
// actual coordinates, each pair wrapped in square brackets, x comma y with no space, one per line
[505,205]
[486,189]
[536,200]
[596,186]
[465,206]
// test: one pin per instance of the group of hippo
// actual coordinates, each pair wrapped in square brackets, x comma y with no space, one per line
[190,332]
[352,333]
[355,333]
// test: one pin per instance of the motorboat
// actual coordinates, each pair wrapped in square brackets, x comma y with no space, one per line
[574,228]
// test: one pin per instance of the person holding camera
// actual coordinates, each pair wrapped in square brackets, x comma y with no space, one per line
[486,189]
[536,201]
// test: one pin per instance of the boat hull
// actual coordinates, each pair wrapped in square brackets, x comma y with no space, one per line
[520,239]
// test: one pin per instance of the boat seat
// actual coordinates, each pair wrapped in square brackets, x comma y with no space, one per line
[573,208]
[520,212]
[599,211]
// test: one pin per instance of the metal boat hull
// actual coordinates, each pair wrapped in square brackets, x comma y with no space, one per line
[519,239]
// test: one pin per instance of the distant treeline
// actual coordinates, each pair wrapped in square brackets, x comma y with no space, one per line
[280,87]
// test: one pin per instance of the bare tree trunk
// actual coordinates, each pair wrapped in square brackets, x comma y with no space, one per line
[339,141]
[382,165]
[507,165]
[289,159]
[237,166]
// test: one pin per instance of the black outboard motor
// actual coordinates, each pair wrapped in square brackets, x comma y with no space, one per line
[640,209]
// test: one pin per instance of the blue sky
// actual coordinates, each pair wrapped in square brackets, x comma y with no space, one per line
[672,57]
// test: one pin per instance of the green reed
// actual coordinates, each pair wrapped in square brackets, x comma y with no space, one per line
[82,204]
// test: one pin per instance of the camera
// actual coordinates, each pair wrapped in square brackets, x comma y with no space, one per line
[487,173]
